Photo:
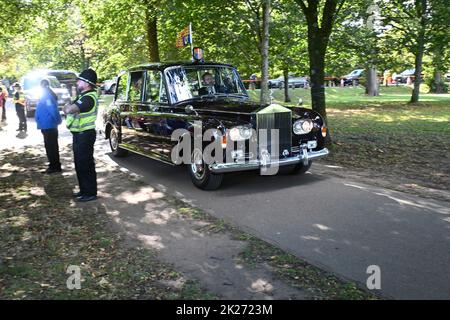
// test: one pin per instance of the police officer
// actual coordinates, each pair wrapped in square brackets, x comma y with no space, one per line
[80,120]
[19,102]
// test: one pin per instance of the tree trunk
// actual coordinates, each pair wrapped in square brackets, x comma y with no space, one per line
[371,82]
[421,9]
[152,37]
[316,51]
[287,98]
[265,97]
[438,83]
[418,71]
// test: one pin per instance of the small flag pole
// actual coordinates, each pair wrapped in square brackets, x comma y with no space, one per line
[191,41]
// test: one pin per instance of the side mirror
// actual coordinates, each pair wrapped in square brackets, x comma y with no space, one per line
[189,109]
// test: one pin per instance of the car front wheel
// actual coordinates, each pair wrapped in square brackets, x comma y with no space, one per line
[201,175]
[114,138]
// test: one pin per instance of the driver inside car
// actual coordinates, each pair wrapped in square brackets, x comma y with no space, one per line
[210,86]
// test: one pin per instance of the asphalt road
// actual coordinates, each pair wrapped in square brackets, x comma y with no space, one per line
[339,225]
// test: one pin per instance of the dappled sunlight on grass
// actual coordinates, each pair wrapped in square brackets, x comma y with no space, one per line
[142,195]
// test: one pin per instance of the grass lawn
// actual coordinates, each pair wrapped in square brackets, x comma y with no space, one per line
[386,136]
[355,97]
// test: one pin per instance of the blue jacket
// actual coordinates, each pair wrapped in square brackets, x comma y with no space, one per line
[47,112]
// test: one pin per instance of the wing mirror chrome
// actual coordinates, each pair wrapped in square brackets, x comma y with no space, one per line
[190,109]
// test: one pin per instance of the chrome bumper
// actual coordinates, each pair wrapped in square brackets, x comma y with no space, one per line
[304,156]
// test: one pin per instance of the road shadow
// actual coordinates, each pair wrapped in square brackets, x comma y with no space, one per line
[177,177]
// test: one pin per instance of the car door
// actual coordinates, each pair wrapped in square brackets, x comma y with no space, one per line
[151,117]
[122,110]
[165,117]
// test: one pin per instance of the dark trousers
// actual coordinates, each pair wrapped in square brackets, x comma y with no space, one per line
[4,110]
[52,147]
[83,151]
[20,110]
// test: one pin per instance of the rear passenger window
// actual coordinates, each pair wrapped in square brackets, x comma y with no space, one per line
[155,88]
[136,86]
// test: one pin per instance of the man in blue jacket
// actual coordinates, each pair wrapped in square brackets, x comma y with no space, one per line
[47,119]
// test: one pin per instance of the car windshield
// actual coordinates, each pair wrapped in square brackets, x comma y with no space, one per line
[192,82]
[355,72]
[33,82]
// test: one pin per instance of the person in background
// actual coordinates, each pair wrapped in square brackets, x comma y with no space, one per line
[253,78]
[47,120]
[3,96]
[19,102]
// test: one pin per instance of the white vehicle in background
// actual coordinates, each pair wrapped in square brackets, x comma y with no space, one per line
[109,86]
[32,89]
[447,76]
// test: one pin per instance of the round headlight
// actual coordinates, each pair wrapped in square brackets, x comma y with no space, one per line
[240,133]
[303,126]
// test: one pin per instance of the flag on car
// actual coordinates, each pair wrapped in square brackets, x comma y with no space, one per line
[184,37]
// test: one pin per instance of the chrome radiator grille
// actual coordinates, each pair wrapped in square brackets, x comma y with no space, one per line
[275,120]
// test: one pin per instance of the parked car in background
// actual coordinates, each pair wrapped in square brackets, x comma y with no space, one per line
[32,89]
[294,82]
[109,86]
[403,77]
[447,77]
[353,77]
[67,78]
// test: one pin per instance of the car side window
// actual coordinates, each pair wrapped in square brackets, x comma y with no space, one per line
[122,88]
[155,89]
[136,85]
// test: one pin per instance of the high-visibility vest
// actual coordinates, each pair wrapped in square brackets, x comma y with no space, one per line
[85,120]
[21,99]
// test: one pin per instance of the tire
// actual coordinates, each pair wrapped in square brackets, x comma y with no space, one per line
[112,89]
[200,174]
[300,168]
[114,138]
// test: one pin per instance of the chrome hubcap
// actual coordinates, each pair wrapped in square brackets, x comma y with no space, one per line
[114,140]
[197,165]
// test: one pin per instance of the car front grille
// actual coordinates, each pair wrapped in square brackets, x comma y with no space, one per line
[280,119]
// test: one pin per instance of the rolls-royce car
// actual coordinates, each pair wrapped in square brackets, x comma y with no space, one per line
[198,114]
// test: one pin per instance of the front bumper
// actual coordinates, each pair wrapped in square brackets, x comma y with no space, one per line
[304,156]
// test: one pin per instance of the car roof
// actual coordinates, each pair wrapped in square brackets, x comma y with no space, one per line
[164,65]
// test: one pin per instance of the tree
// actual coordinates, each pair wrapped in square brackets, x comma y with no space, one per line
[288,44]
[265,51]
[320,17]
[417,21]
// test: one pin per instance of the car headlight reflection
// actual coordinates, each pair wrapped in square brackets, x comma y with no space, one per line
[240,133]
[303,126]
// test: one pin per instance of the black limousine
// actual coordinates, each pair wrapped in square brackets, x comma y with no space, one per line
[200,115]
